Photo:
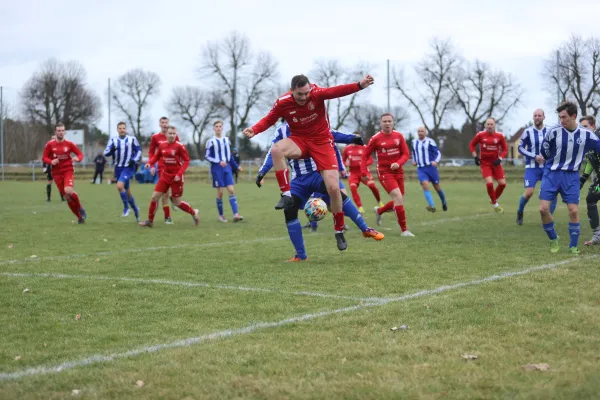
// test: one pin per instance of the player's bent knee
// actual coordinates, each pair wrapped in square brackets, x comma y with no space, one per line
[290,214]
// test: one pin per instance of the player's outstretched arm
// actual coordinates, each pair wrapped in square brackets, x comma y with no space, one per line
[266,122]
[343,138]
[343,90]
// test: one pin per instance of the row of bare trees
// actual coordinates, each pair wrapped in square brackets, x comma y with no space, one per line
[237,84]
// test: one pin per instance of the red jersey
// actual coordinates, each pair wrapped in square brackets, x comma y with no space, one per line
[61,151]
[390,148]
[156,140]
[175,159]
[491,146]
[354,152]
[309,119]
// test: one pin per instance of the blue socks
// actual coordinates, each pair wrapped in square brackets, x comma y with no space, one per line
[522,203]
[551,232]
[295,231]
[442,196]
[574,230]
[220,206]
[233,203]
[314,224]
[135,209]
[429,198]
[124,199]
[351,211]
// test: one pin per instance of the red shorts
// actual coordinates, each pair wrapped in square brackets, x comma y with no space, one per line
[320,149]
[494,171]
[64,180]
[163,186]
[356,178]
[392,180]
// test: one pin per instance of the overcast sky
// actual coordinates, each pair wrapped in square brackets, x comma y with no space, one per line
[110,37]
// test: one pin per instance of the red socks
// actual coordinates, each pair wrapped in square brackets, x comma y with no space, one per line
[166,210]
[499,190]
[491,192]
[186,207]
[401,216]
[389,206]
[152,210]
[375,191]
[338,222]
[282,180]
[355,195]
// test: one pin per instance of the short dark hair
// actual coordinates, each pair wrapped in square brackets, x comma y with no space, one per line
[162,118]
[588,118]
[299,81]
[387,114]
[569,107]
[218,122]
[121,123]
[59,125]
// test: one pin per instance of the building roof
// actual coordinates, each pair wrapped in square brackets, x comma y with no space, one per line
[517,135]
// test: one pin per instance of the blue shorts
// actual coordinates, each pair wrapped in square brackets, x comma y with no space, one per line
[564,182]
[221,176]
[307,186]
[428,173]
[124,174]
[532,176]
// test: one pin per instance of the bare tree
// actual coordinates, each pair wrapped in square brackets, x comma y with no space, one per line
[481,93]
[242,77]
[58,92]
[132,96]
[329,73]
[432,96]
[195,108]
[573,70]
[23,141]
[366,117]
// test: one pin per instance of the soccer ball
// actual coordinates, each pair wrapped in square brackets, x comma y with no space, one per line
[315,209]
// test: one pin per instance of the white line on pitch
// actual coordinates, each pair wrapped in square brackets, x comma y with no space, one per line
[190,284]
[43,370]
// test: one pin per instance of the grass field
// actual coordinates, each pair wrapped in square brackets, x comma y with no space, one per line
[213,312]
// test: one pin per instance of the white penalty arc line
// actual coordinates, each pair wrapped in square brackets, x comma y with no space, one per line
[95,359]
[189,284]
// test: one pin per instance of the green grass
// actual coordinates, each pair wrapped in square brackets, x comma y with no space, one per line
[546,316]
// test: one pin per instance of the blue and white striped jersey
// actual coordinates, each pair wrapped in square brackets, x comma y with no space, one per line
[123,150]
[218,149]
[564,150]
[530,145]
[425,151]
[303,166]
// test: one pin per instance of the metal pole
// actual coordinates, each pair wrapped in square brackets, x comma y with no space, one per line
[2,131]
[558,99]
[33,170]
[108,108]
[388,85]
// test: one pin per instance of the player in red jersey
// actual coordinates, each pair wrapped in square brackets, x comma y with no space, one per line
[155,141]
[175,160]
[58,154]
[492,149]
[392,153]
[303,108]
[352,158]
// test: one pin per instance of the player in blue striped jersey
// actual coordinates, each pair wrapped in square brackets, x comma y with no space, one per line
[126,152]
[563,150]
[530,146]
[218,153]
[305,181]
[426,157]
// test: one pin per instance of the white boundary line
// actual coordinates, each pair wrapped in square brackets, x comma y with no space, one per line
[190,284]
[43,370]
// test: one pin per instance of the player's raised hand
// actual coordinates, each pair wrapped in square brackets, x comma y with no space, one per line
[248,132]
[366,81]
